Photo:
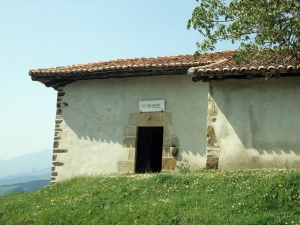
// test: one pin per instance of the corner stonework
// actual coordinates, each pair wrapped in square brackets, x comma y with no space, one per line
[57,135]
[170,152]
[212,144]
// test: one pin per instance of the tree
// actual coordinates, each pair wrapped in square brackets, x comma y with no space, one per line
[266,29]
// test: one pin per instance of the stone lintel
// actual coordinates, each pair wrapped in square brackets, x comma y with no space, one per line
[150,119]
[131,131]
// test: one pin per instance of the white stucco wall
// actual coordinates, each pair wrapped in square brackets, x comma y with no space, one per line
[97,114]
[258,123]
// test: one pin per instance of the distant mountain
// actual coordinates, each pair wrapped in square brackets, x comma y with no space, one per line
[33,166]
[22,178]
[23,187]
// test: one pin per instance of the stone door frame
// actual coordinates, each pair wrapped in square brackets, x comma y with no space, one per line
[170,147]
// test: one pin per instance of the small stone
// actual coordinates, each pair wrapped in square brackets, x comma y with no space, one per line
[168,163]
[132,153]
[165,152]
[60,93]
[58,121]
[130,131]
[55,144]
[60,150]
[212,163]
[174,151]
[212,111]
[57,164]
[129,143]
[126,166]
[54,174]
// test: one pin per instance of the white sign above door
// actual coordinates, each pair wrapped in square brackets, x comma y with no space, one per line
[152,106]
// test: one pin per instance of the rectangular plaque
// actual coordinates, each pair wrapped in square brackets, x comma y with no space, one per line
[152,106]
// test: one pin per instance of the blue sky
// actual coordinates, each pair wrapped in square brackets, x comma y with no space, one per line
[48,33]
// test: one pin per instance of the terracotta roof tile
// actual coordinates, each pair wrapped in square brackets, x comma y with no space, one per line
[209,64]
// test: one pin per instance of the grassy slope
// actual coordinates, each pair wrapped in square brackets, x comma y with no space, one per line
[205,197]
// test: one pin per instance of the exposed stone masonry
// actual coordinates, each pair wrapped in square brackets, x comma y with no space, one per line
[170,142]
[169,150]
[212,144]
[57,138]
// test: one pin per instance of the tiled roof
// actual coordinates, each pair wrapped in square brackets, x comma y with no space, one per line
[206,66]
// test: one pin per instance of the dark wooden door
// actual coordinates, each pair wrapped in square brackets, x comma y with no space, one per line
[149,149]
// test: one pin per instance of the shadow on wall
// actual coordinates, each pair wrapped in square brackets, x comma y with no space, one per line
[100,112]
[114,133]
[264,115]
[93,129]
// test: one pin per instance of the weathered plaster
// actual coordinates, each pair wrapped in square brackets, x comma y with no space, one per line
[98,111]
[257,124]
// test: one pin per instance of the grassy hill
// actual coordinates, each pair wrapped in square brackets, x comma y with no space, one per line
[266,196]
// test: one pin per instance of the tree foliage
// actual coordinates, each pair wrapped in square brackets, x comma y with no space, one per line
[265,29]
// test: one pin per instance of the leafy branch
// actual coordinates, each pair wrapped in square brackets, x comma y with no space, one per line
[266,29]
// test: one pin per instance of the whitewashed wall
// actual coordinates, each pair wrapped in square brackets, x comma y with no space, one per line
[257,123]
[98,110]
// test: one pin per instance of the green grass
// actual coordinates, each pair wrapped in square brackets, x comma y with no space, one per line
[266,196]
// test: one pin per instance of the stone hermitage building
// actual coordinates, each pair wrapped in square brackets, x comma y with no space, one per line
[147,115]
